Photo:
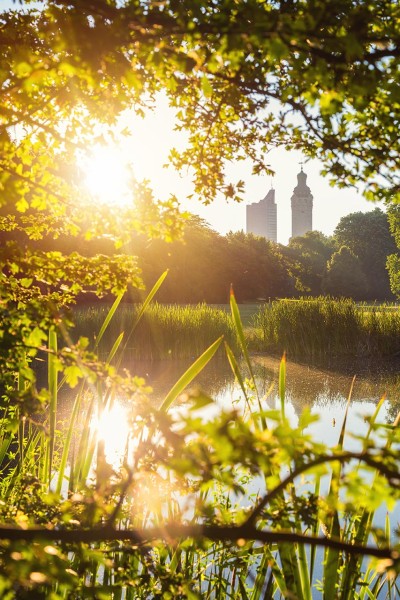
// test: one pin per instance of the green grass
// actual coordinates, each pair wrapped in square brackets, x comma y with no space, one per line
[247,311]
[315,329]
[319,329]
[164,331]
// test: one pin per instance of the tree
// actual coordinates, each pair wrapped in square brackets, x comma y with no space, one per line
[198,264]
[369,238]
[257,267]
[393,262]
[223,67]
[344,275]
[203,264]
[312,250]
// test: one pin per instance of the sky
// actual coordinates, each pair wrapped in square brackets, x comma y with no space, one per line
[147,149]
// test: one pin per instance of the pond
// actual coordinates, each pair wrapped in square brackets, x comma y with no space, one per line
[324,391]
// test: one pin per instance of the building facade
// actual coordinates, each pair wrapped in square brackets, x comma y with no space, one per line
[261,217]
[302,205]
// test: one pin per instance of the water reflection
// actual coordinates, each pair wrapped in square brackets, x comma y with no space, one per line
[162,375]
[305,386]
[324,392]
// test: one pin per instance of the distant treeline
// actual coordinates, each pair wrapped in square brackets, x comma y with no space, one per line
[351,263]
[202,266]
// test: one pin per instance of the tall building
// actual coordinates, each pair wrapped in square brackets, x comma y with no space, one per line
[261,217]
[302,205]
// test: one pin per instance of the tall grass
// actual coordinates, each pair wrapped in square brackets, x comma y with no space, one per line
[324,328]
[164,331]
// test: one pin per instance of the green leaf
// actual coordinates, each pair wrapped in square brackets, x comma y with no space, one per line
[190,374]
[239,330]
[36,337]
[206,87]
[72,375]
[26,282]
[108,318]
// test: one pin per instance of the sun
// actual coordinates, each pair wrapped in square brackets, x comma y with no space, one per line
[107,174]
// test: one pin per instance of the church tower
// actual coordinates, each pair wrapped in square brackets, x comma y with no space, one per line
[302,205]
[261,217]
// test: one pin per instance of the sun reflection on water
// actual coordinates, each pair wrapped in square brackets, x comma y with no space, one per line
[112,427]
[154,493]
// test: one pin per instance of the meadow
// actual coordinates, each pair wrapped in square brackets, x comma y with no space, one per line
[164,331]
[318,329]
[324,329]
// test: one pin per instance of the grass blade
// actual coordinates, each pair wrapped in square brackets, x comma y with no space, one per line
[346,412]
[262,572]
[332,556]
[282,383]
[236,371]
[190,374]
[67,441]
[362,525]
[313,550]
[115,347]
[145,304]
[53,390]
[304,572]
[108,318]
[242,340]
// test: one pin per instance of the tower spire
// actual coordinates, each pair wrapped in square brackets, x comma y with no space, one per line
[302,205]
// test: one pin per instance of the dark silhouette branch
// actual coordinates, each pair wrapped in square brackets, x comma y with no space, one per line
[172,532]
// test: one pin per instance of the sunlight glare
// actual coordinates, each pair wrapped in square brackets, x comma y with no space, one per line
[107,175]
[113,429]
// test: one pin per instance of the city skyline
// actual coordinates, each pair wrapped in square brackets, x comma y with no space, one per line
[148,149]
[262,216]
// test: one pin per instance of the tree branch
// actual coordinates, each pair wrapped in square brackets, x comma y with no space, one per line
[342,458]
[172,532]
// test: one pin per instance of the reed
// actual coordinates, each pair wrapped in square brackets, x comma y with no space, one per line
[324,328]
[163,332]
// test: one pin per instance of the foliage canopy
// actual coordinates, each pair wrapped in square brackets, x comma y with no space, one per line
[243,77]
